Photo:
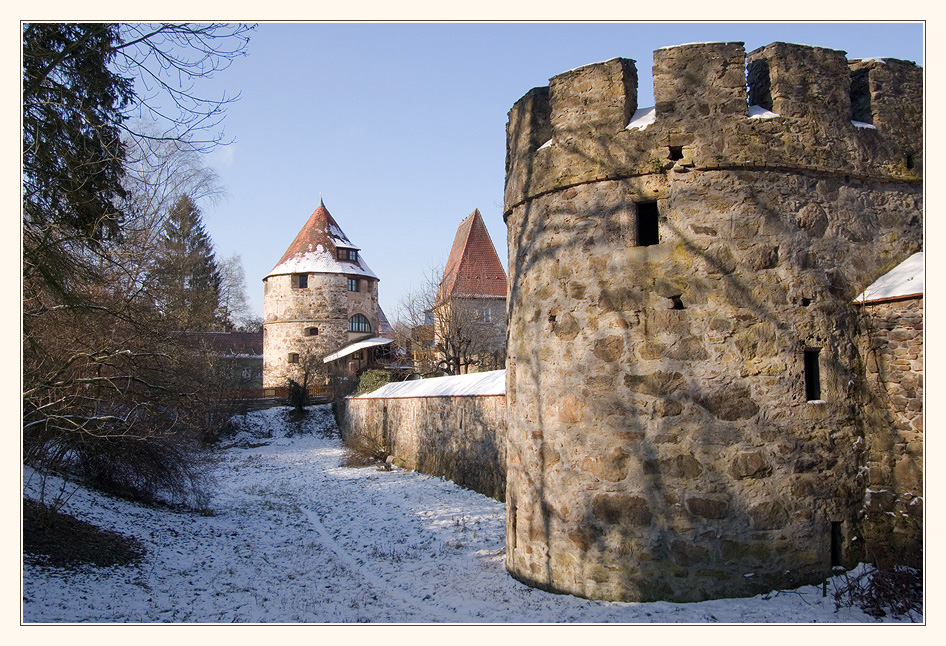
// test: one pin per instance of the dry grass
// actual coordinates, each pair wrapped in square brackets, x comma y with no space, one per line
[359,458]
[60,540]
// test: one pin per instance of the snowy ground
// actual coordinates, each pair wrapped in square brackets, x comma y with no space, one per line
[295,537]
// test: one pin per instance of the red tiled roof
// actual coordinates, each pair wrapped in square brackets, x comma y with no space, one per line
[473,268]
[315,249]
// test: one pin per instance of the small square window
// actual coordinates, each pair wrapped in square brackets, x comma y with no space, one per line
[353,285]
[293,357]
[312,331]
[300,281]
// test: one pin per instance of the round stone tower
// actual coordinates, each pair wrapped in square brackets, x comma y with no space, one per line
[320,297]
[686,401]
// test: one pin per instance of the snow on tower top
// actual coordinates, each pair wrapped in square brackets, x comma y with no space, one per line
[321,247]
[473,269]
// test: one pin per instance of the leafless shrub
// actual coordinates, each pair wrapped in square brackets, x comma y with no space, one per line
[880,591]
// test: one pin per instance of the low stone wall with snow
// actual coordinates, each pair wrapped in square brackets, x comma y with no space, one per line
[454,427]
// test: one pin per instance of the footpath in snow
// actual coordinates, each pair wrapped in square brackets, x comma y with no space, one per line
[296,537]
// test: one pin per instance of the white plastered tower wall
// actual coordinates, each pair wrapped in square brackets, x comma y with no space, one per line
[310,297]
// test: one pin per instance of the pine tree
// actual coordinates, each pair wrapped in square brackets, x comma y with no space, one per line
[186,280]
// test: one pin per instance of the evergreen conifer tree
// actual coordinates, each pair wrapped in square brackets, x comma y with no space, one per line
[186,279]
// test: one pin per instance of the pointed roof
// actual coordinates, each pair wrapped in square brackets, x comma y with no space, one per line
[473,269]
[315,249]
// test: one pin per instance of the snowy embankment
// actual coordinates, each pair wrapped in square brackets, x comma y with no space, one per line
[295,537]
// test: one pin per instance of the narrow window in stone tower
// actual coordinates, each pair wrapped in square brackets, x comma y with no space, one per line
[647,230]
[812,375]
[676,152]
[300,281]
[860,96]
[835,544]
[353,285]
[293,357]
[312,331]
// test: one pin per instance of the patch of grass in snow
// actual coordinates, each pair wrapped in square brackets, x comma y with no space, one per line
[357,458]
[53,538]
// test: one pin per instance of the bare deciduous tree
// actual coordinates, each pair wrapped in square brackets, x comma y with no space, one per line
[234,309]
[455,335]
[108,390]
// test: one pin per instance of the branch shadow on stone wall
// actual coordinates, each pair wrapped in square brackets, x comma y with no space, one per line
[682,509]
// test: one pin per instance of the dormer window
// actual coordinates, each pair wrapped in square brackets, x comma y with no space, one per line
[351,255]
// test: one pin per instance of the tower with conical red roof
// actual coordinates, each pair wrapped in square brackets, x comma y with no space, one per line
[470,310]
[320,299]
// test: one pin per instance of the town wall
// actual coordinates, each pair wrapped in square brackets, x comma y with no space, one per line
[458,438]
[892,345]
[674,289]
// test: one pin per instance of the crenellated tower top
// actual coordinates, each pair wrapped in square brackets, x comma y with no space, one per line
[781,106]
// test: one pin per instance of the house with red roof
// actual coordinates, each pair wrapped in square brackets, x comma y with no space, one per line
[469,315]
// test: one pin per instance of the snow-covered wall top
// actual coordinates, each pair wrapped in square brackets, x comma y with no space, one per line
[476,384]
[906,279]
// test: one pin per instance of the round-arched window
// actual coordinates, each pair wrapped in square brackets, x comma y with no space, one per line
[359,323]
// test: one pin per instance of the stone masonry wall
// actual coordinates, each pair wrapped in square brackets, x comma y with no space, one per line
[892,344]
[663,438]
[462,439]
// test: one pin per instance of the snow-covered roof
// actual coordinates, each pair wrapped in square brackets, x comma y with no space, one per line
[355,347]
[642,118]
[321,261]
[478,383]
[315,250]
[903,281]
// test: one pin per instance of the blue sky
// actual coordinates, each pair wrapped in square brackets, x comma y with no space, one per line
[401,127]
